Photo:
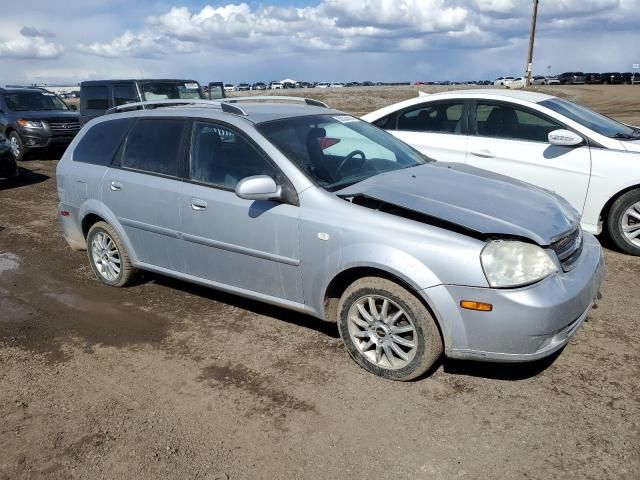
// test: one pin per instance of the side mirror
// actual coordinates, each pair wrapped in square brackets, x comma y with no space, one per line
[73,107]
[564,138]
[259,187]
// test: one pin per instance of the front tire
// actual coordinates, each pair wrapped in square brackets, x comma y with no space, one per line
[623,223]
[108,257]
[387,330]
[17,146]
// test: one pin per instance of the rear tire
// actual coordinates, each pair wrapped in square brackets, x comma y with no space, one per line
[623,222]
[399,341]
[108,257]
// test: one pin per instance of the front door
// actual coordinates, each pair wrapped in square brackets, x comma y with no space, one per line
[513,140]
[250,245]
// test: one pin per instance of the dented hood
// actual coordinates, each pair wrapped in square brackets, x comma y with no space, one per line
[473,199]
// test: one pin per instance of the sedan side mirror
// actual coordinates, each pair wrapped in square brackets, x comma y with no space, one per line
[259,187]
[73,107]
[564,138]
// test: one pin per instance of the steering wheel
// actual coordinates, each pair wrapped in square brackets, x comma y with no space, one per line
[347,159]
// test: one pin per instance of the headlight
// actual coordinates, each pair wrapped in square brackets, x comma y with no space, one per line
[509,263]
[30,123]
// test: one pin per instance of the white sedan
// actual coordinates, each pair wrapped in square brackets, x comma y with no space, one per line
[591,160]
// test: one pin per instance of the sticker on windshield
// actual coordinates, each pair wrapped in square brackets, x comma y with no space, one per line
[191,85]
[345,118]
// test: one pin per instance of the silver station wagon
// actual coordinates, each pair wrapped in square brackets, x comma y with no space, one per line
[295,204]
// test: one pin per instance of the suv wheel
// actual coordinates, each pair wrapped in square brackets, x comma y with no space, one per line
[623,223]
[387,330]
[17,146]
[108,257]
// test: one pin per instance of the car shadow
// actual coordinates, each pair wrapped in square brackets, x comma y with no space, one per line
[25,177]
[329,329]
[499,371]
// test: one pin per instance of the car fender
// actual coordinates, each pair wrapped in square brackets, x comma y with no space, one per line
[95,207]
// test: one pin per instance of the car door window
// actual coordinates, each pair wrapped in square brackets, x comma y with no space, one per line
[222,157]
[445,117]
[499,120]
[124,93]
[99,145]
[95,98]
[153,145]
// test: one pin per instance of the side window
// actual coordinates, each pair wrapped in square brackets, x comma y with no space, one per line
[387,123]
[124,93]
[153,145]
[99,145]
[221,157]
[95,98]
[506,121]
[433,118]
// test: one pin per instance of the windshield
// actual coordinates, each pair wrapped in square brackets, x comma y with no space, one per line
[339,150]
[30,100]
[595,121]
[171,90]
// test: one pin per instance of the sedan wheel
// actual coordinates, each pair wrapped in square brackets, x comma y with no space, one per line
[387,329]
[623,222]
[16,145]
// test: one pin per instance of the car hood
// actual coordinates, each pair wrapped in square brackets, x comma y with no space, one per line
[483,202]
[49,115]
[631,145]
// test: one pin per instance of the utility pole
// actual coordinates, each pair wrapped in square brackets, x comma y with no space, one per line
[532,36]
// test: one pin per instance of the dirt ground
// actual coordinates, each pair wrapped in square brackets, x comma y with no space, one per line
[166,380]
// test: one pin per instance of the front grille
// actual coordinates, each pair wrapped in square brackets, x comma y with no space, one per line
[64,128]
[569,248]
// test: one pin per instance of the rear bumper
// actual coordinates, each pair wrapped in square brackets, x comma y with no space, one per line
[69,223]
[526,323]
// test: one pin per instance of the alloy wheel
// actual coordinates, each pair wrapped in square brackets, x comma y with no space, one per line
[106,256]
[631,224]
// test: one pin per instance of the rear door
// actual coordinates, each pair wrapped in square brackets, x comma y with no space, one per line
[251,245]
[513,140]
[143,190]
[437,129]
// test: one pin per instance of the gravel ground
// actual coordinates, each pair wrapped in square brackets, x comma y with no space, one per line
[169,380]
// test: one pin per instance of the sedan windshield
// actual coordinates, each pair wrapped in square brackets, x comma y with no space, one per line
[339,150]
[30,100]
[595,121]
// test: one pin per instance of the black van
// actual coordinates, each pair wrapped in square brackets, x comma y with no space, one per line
[98,96]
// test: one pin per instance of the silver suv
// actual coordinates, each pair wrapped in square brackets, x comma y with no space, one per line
[303,206]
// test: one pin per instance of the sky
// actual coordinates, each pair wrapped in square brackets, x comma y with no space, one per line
[65,42]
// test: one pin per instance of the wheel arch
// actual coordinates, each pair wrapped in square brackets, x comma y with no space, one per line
[341,281]
[606,209]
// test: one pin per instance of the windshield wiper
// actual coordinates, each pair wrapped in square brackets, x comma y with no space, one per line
[625,136]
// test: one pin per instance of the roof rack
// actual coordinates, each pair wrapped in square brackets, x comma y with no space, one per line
[151,104]
[263,98]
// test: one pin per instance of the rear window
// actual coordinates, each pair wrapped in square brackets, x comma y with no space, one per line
[100,144]
[153,145]
[124,93]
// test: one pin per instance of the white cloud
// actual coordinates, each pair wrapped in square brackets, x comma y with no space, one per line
[30,47]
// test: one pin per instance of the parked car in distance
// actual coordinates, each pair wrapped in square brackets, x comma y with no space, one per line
[337,85]
[611,78]
[571,78]
[8,165]
[284,203]
[98,96]
[34,118]
[628,78]
[276,86]
[552,81]
[589,159]
[229,87]
[323,85]
[501,81]
[516,83]
[538,80]
[259,86]
[592,78]
[243,87]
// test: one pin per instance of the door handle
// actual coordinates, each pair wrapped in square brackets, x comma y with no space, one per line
[115,186]
[198,204]
[484,153]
